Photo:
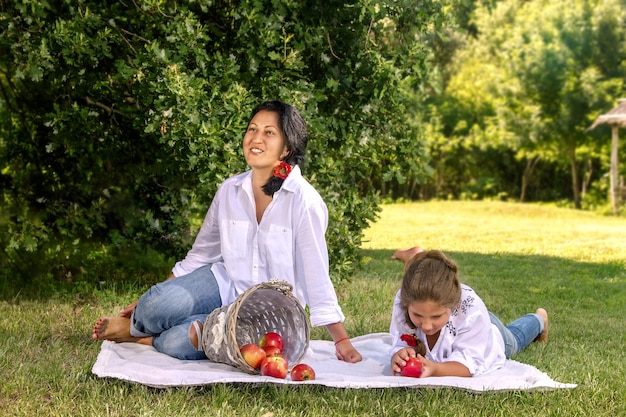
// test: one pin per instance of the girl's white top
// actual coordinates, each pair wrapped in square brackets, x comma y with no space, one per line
[287,244]
[469,337]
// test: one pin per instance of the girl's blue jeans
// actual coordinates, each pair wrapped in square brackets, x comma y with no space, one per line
[167,310]
[520,333]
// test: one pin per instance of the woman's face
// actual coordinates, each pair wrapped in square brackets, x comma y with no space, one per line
[264,144]
[428,316]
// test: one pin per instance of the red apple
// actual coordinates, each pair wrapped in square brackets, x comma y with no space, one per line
[252,354]
[413,368]
[302,372]
[272,350]
[275,366]
[272,339]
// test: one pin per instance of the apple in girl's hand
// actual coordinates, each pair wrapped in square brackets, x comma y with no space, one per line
[272,339]
[252,354]
[275,366]
[413,368]
[302,372]
[272,350]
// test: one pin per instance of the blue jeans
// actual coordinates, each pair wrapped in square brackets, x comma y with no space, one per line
[167,310]
[520,333]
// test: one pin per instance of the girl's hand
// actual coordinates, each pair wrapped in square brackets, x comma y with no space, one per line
[401,356]
[399,359]
[128,310]
[346,352]
[428,367]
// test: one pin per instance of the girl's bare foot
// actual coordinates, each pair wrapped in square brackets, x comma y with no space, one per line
[543,337]
[405,255]
[116,329]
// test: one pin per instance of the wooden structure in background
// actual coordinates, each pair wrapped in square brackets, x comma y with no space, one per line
[615,118]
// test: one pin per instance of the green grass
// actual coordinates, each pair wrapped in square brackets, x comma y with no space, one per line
[517,257]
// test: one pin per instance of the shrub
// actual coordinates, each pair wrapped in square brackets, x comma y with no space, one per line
[120,119]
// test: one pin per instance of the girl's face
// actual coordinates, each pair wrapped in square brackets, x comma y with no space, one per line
[264,144]
[429,316]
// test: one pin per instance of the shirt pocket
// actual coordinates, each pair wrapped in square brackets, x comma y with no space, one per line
[281,246]
[235,241]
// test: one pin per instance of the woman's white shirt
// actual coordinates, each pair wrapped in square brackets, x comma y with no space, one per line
[287,244]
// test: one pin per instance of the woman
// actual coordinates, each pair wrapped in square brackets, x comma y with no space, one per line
[267,222]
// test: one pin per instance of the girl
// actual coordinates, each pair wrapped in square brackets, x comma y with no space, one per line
[266,222]
[461,337]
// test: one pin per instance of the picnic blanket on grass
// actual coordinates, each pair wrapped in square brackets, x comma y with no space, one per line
[144,365]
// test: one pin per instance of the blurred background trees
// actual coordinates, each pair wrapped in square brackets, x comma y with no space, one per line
[523,84]
[118,120]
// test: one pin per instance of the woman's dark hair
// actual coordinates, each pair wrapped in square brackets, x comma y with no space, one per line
[294,131]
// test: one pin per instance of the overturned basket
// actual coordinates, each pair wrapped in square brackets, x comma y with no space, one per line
[267,307]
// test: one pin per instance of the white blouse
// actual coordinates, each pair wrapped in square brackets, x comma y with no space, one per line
[469,337]
[288,244]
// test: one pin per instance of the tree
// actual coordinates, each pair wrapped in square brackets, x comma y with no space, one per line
[120,119]
[547,70]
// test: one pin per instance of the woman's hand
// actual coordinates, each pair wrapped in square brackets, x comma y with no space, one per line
[343,346]
[346,352]
[128,310]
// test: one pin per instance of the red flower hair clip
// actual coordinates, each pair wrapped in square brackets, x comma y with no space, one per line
[409,339]
[282,170]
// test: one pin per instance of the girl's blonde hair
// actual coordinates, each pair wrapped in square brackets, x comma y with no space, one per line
[430,276]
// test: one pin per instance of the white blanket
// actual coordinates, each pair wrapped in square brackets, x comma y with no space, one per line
[144,365]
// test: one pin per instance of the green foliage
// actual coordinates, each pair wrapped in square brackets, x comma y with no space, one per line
[119,120]
[524,91]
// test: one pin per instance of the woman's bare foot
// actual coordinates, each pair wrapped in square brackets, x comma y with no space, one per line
[116,329]
[543,337]
[405,255]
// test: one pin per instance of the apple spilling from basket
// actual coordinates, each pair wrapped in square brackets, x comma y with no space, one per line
[267,357]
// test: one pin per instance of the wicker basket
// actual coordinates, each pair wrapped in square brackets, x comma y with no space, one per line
[267,307]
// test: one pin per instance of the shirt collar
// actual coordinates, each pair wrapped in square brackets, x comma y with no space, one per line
[292,178]
[288,185]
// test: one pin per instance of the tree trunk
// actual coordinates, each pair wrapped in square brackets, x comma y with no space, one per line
[587,177]
[575,187]
[614,185]
[528,170]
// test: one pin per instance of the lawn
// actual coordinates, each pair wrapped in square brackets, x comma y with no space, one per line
[516,256]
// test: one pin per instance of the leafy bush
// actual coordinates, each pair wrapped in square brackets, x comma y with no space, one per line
[120,119]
